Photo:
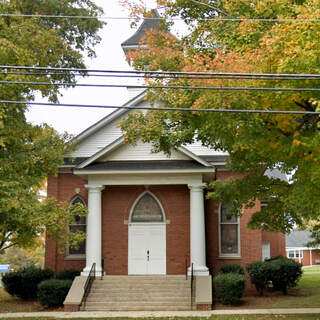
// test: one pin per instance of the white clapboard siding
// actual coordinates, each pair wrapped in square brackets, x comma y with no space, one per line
[141,151]
[201,150]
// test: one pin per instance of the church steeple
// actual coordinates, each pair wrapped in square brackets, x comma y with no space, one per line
[134,41]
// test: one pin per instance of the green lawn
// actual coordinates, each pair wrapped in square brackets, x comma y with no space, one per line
[225,317]
[311,269]
[306,295]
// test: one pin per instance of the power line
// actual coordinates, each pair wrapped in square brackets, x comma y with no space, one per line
[293,112]
[155,18]
[186,77]
[234,74]
[156,86]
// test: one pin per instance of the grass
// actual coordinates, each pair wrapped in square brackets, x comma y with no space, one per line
[12,304]
[218,317]
[311,269]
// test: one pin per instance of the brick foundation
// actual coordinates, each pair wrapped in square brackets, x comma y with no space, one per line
[204,307]
[71,308]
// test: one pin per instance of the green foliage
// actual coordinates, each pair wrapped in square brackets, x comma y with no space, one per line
[52,293]
[68,274]
[229,287]
[259,273]
[281,271]
[284,273]
[256,143]
[235,268]
[23,283]
[27,152]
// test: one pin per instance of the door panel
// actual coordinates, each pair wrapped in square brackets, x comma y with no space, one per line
[144,239]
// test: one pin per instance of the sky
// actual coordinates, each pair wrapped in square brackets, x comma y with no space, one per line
[109,57]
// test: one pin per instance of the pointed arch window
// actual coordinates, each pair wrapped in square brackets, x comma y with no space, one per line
[147,209]
[78,224]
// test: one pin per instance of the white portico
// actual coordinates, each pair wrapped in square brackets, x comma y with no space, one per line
[98,181]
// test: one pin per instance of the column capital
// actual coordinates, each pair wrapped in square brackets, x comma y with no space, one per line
[196,186]
[94,187]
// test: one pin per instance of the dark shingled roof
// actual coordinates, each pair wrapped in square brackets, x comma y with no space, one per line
[298,238]
[144,165]
[147,24]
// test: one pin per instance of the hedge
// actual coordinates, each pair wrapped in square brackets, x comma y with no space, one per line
[234,268]
[52,293]
[68,274]
[229,287]
[24,283]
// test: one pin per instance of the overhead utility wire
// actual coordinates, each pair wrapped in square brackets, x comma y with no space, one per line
[158,76]
[235,74]
[156,86]
[161,108]
[149,18]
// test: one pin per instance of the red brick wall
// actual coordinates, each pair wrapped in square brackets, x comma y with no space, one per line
[63,188]
[117,203]
[277,242]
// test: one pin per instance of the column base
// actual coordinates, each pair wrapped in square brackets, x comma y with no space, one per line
[199,271]
[86,271]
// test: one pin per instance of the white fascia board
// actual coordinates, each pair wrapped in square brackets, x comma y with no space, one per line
[110,117]
[113,145]
[194,157]
[164,171]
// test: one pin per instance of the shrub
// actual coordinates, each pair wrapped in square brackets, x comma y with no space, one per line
[12,282]
[284,273]
[23,283]
[234,268]
[229,287]
[259,273]
[68,274]
[51,293]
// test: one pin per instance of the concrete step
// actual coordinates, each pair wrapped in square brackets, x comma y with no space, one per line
[139,293]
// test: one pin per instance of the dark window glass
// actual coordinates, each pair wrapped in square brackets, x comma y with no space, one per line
[147,210]
[229,229]
[79,224]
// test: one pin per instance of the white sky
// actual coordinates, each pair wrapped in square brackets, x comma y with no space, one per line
[109,57]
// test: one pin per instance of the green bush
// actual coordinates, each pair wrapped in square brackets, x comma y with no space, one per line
[234,268]
[68,274]
[52,293]
[229,287]
[284,273]
[23,283]
[259,273]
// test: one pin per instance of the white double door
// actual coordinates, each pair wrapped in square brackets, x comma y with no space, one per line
[147,249]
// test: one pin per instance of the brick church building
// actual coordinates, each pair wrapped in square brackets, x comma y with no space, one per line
[147,213]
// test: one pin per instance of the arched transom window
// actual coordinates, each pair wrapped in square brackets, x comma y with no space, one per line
[147,209]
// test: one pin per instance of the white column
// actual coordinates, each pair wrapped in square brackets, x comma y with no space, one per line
[94,239]
[197,230]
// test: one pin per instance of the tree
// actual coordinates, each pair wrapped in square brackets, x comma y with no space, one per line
[255,142]
[27,152]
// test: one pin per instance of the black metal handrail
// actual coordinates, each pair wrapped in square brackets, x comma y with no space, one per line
[192,285]
[102,269]
[186,268]
[88,284]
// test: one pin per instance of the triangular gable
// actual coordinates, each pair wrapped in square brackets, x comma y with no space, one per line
[120,151]
[110,117]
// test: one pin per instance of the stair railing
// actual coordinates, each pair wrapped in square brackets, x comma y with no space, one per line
[88,284]
[192,286]
[102,269]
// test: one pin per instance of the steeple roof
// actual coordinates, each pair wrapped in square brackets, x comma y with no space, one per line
[134,41]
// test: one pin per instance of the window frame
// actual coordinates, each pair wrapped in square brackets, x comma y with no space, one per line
[297,254]
[228,255]
[79,256]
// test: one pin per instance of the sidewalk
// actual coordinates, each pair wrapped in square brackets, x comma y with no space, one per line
[157,314]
